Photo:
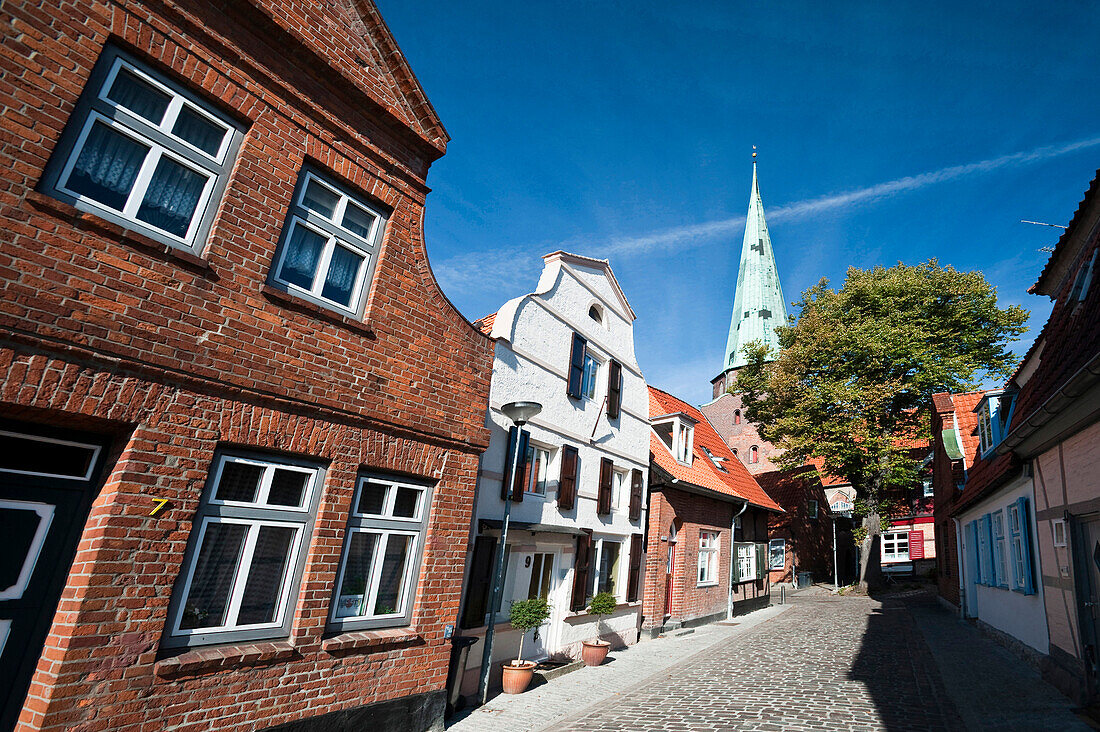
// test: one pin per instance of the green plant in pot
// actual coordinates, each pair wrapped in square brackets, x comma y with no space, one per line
[524,615]
[602,605]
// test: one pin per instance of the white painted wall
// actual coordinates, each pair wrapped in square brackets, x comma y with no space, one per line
[1021,616]
[531,363]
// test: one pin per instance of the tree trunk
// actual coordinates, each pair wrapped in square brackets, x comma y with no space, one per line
[870,566]
[520,659]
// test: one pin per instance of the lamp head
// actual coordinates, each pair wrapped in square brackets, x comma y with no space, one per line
[521,412]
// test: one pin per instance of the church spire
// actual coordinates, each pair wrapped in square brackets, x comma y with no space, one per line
[758,304]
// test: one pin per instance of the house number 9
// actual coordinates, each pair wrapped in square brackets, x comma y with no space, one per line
[527,561]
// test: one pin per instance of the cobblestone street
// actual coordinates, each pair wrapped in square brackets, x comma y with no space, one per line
[824,663]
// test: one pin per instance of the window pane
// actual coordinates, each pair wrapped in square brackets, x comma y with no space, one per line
[391,590]
[106,167]
[320,199]
[536,576]
[198,130]
[303,249]
[260,602]
[172,196]
[288,488]
[372,498]
[588,385]
[609,566]
[25,454]
[239,482]
[343,270]
[18,526]
[212,580]
[353,589]
[139,96]
[406,502]
[358,220]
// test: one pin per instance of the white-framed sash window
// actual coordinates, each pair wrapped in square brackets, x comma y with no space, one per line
[746,561]
[144,152]
[381,557]
[244,562]
[708,558]
[895,546]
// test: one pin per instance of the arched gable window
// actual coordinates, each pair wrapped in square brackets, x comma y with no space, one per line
[596,314]
[754,454]
[737,416]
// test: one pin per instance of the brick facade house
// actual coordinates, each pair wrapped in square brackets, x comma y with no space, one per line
[707,550]
[803,534]
[235,493]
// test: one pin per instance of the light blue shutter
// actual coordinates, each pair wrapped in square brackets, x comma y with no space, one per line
[972,552]
[988,529]
[1025,546]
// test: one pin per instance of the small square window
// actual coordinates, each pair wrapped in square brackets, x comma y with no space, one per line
[377,579]
[242,568]
[329,245]
[1059,528]
[143,152]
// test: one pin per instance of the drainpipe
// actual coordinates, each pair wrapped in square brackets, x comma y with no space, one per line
[959,564]
[733,560]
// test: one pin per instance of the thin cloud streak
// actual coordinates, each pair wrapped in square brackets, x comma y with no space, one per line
[505,269]
[700,233]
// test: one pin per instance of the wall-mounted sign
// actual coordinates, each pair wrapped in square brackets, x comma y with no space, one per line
[777,551]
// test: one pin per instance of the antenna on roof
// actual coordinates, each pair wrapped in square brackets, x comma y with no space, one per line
[1038,223]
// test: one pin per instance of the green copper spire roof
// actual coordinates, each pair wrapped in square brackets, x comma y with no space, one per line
[758,304]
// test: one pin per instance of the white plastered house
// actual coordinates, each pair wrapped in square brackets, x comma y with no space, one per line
[579,497]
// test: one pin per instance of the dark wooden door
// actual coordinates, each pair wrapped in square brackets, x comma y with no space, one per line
[47,481]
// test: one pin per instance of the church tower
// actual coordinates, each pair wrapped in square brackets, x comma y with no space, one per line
[758,304]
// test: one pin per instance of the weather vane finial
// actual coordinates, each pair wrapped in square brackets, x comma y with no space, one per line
[754,153]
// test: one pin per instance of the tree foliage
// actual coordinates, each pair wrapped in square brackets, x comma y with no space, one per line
[527,614]
[854,378]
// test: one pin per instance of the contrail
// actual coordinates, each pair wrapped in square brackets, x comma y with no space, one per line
[699,233]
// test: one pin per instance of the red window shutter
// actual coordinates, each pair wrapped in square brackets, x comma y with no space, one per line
[567,485]
[633,586]
[481,570]
[607,472]
[614,389]
[576,366]
[580,572]
[636,490]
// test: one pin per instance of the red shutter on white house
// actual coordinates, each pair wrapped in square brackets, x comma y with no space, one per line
[607,473]
[567,484]
[580,572]
[636,490]
[634,585]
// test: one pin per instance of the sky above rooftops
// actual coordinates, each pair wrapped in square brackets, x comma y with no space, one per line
[886,132]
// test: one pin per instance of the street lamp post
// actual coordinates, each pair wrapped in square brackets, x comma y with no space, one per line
[520,413]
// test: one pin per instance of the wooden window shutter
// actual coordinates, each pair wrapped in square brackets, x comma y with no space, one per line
[636,490]
[481,572]
[576,366]
[735,565]
[581,560]
[634,585]
[761,561]
[607,473]
[614,389]
[515,477]
[567,485]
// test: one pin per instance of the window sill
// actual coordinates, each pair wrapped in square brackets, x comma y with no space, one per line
[367,639]
[706,584]
[585,614]
[300,304]
[220,658]
[125,236]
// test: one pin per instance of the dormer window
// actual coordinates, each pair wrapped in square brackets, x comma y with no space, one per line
[677,432]
[1082,281]
[994,417]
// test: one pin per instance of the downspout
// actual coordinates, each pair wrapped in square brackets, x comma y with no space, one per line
[959,563]
[733,559]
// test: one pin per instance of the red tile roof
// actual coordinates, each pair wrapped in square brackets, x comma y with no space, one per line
[963,406]
[734,481]
[826,479]
[983,476]
[485,325]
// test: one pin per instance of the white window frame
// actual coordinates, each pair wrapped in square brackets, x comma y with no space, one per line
[1017,547]
[1058,531]
[94,107]
[620,488]
[383,525]
[330,228]
[1000,545]
[531,484]
[894,540]
[683,441]
[87,475]
[254,515]
[590,380]
[746,561]
[709,547]
[618,585]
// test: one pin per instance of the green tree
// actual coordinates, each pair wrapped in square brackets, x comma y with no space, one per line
[525,615]
[856,372]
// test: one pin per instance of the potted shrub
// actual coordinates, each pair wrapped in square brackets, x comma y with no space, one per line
[594,652]
[525,615]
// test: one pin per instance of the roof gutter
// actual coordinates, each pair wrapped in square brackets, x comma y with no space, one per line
[1087,377]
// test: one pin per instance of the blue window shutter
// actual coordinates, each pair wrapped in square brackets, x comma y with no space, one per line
[988,527]
[1025,546]
[576,366]
[973,554]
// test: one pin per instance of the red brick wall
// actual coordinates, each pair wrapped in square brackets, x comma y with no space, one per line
[174,355]
[742,437]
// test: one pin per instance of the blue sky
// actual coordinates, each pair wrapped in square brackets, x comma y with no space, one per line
[887,132]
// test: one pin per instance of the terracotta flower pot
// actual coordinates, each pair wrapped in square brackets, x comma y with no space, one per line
[594,652]
[516,679]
